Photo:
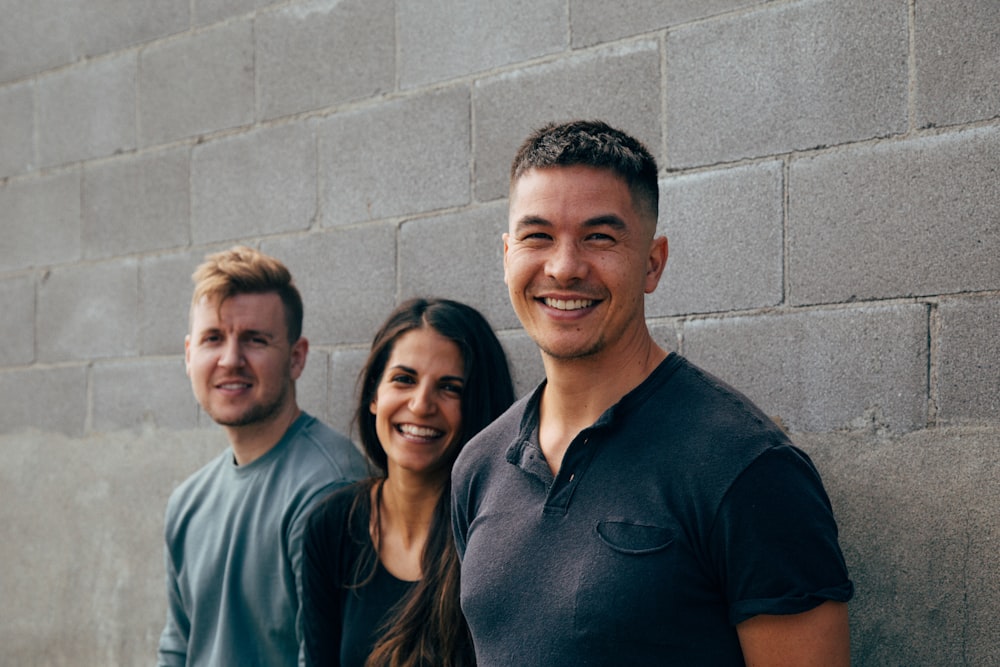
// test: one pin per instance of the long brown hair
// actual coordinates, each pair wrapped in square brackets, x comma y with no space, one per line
[428,628]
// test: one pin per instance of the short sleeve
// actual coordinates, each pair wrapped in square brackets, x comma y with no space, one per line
[774,541]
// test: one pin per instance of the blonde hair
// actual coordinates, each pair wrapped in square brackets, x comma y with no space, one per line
[245,270]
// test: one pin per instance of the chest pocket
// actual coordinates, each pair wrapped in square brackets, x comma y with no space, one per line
[624,592]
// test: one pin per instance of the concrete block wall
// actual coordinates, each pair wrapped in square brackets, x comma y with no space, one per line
[829,178]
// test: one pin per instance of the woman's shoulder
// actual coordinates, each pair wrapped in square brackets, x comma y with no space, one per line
[348,504]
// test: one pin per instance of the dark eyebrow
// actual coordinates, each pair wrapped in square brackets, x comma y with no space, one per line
[443,378]
[252,333]
[609,220]
[531,221]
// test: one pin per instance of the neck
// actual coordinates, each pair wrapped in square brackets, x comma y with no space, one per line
[408,504]
[405,513]
[252,441]
[578,391]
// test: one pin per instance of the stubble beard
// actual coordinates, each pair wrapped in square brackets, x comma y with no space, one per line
[255,414]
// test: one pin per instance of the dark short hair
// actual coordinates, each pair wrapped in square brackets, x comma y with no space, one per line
[488,389]
[244,270]
[592,143]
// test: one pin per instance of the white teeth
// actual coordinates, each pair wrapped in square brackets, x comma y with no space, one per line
[569,304]
[234,385]
[419,431]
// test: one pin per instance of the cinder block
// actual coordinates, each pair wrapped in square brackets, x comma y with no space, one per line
[17,326]
[786,77]
[854,368]
[458,256]
[347,278]
[17,129]
[725,236]
[88,516]
[34,36]
[213,11]
[957,63]
[41,220]
[525,360]
[197,83]
[595,22]
[918,527]
[102,26]
[136,203]
[263,182]
[969,360]
[52,399]
[165,290]
[345,367]
[324,52]
[312,387]
[88,312]
[401,157]
[620,85]
[87,111]
[895,219]
[142,394]
[431,49]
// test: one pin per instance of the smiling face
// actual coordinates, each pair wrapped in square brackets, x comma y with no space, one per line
[578,260]
[418,403]
[240,361]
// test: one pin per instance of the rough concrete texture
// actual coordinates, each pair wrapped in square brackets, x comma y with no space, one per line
[895,219]
[823,370]
[346,276]
[458,256]
[136,203]
[969,359]
[620,85]
[87,111]
[919,530]
[55,397]
[595,22]
[196,84]
[164,301]
[312,55]
[17,303]
[793,76]
[166,401]
[425,141]
[17,127]
[430,49]
[88,311]
[829,179]
[255,183]
[725,238]
[957,84]
[86,565]
[51,206]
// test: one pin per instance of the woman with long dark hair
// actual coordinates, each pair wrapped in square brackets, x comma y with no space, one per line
[379,570]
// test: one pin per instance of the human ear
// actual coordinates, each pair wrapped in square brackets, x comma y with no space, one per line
[656,262]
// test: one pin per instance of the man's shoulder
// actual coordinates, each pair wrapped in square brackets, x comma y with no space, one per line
[203,477]
[316,446]
[692,393]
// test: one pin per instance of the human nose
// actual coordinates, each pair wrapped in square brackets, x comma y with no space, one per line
[231,355]
[422,400]
[565,263]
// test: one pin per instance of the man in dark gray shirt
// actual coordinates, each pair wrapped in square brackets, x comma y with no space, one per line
[633,509]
